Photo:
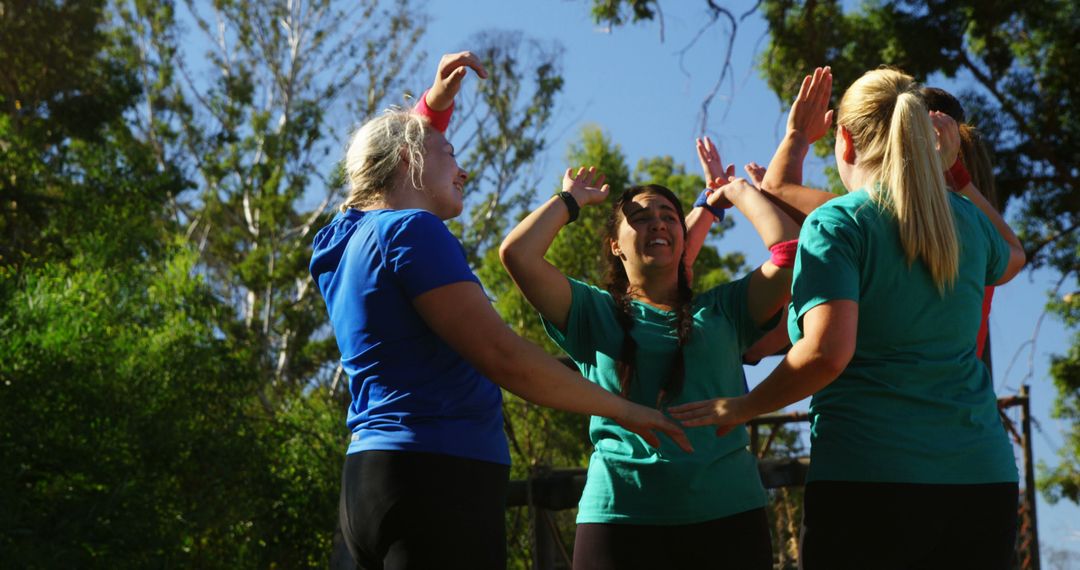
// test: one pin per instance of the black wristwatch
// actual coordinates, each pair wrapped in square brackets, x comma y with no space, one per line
[571,205]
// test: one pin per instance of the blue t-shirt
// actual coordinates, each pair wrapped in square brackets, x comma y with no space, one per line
[410,390]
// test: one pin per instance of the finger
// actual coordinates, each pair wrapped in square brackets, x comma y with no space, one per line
[458,74]
[691,408]
[828,119]
[698,422]
[724,430]
[650,438]
[454,61]
[730,170]
[580,174]
[805,88]
[605,189]
[600,180]
[678,436]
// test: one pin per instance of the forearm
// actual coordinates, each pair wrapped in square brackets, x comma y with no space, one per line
[770,222]
[529,372]
[972,193]
[784,176]
[529,241]
[803,372]
[698,222]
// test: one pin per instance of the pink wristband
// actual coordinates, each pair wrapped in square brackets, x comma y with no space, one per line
[783,253]
[959,175]
[439,119]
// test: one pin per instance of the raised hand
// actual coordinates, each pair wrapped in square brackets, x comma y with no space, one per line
[452,69]
[587,185]
[810,113]
[725,413]
[756,172]
[948,134]
[647,421]
[716,175]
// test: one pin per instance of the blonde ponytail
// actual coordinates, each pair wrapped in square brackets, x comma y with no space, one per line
[896,144]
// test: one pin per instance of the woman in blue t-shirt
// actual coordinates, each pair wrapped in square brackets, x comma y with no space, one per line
[647,336]
[425,477]
[910,465]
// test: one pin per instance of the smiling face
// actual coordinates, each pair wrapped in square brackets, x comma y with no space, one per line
[442,179]
[650,235]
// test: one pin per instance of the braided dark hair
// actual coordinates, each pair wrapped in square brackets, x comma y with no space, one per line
[618,284]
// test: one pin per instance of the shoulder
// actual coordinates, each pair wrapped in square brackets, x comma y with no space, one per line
[844,209]
[410,225]
[582,292]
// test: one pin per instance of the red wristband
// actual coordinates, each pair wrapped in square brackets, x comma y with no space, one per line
[783,253]
[958,175]
[439,119]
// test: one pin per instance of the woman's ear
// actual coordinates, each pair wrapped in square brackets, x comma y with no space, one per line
[615,248]
[848,144]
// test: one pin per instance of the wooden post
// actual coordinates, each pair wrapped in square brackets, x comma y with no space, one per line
[1029,477]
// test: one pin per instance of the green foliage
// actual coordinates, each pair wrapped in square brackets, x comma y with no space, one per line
[132,433]
[618,12]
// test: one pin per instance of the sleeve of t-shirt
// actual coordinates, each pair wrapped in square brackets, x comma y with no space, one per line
[827,262]
[423,255]
[587,303]
[731,300]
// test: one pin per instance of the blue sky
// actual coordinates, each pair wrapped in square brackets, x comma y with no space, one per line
[631,84]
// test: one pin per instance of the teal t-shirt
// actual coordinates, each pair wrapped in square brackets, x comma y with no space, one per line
[915,405]
[629,481]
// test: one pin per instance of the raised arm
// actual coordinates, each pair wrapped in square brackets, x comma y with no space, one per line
[522,252]
[770,285]
[808,121]
[948,147]
[437,103]
[700,219]
[461,315]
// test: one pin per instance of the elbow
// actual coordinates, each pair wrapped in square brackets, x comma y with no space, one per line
[509,253]
[498,360]
[829,361]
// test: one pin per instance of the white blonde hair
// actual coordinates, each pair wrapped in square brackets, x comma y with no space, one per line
[375,151]
[896,144]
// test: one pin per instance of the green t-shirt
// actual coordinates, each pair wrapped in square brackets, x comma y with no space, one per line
[629,481]
[915,405]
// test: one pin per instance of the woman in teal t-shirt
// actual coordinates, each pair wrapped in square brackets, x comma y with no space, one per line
[910,465]
[646,336]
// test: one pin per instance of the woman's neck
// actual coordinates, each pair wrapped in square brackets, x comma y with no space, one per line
[658,291]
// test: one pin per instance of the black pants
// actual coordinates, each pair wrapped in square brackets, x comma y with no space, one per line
[404,510]
[908,526]
[739,542]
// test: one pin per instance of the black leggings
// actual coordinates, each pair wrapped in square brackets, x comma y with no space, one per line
[739,541]
[402,510]
[908,526]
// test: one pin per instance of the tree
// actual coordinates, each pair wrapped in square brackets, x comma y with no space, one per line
[257,123]
[132,434]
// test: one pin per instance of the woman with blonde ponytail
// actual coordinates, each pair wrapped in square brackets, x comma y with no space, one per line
[427,467]
[910,465]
